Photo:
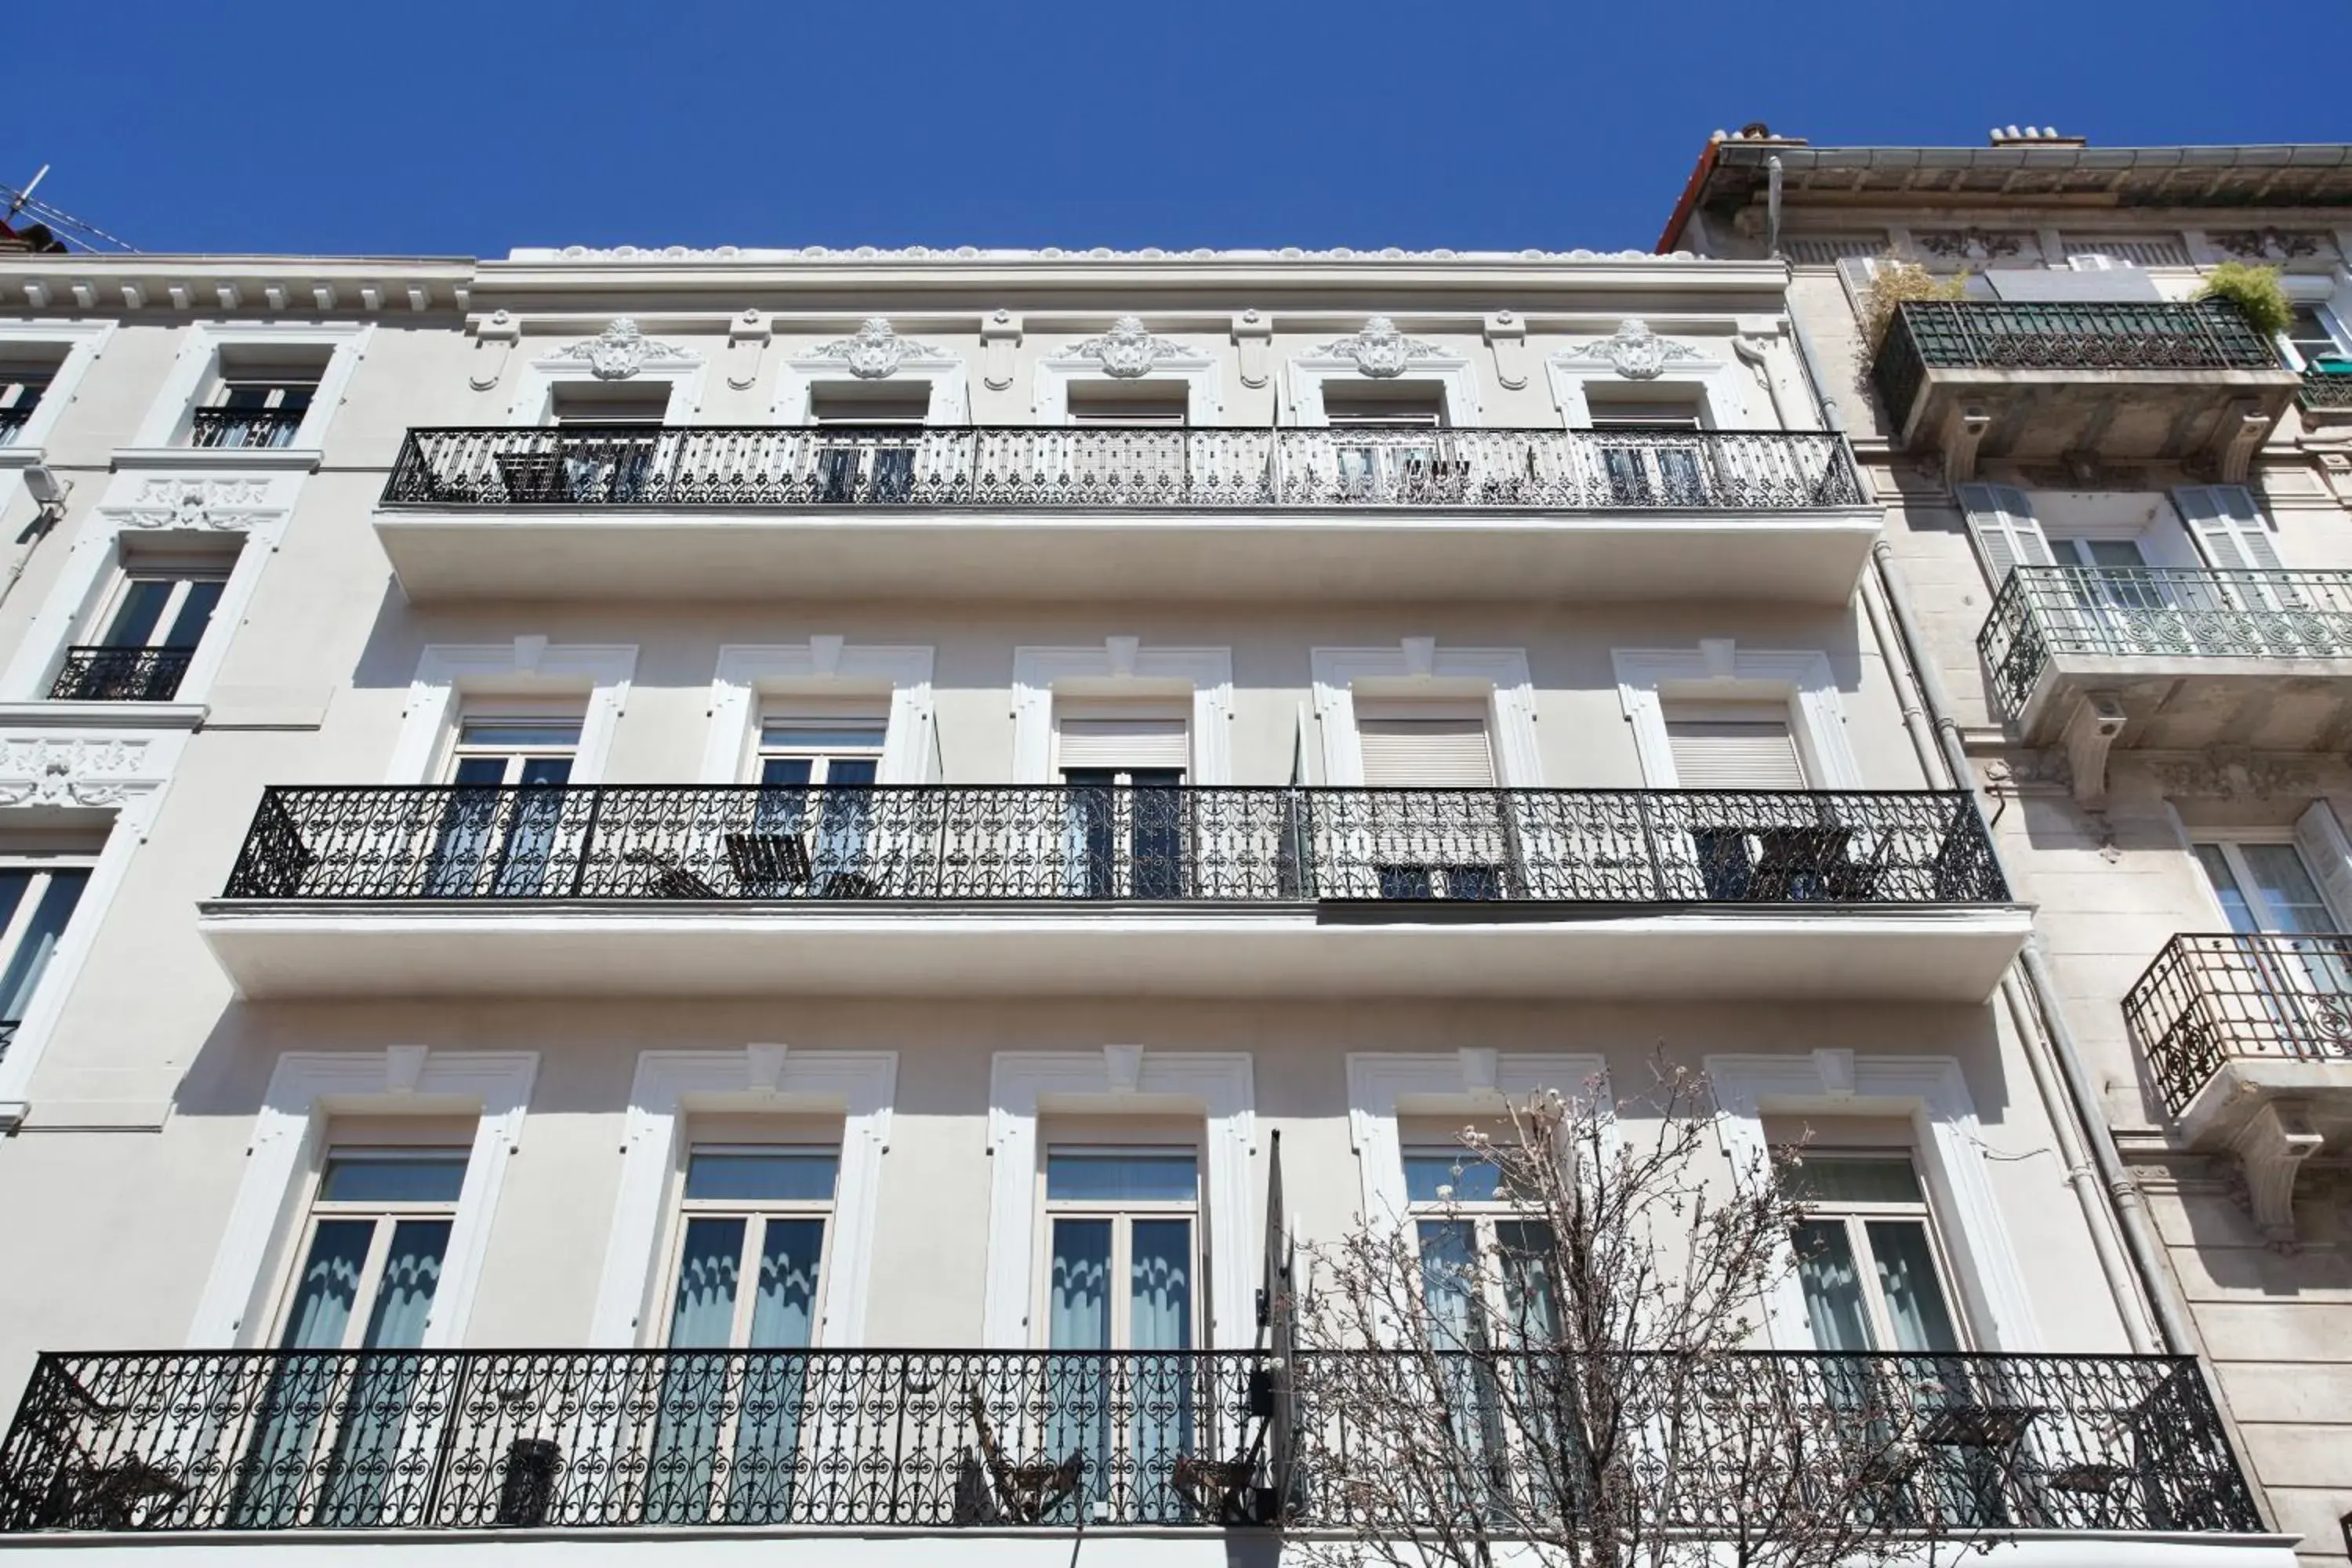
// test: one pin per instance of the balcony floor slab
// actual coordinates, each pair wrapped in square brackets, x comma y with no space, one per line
[2189,701]
[273,949]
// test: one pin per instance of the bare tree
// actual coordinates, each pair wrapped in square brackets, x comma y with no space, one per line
[1576,1386]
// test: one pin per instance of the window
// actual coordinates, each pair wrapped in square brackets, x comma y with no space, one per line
[1393,403]
[368,1264]
[254,404]
[812,830]
[147,633]
[1128,824]
[506,813]
[1122,1229]
[2265,887]
[592,405]
[866,402]
[857,465]
[38,896]
[1644,462]
[1430,845]
[2297,983]
[1733,745]
[21,390]
[1385,465]
[1130,402]
[1867,1258]
[1483,1262]
[2316,344]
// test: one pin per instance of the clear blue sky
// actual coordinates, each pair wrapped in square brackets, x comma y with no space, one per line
[445,128]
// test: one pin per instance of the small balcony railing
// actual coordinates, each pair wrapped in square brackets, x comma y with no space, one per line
[1986,334]
[2211,1000]
[2326,389]
[1111,468]
[916,844]
[243,426]
[2159,612]
[92,674]
[410,1440]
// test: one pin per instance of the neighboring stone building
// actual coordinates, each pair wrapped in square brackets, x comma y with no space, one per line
[2118,521]
[665,819]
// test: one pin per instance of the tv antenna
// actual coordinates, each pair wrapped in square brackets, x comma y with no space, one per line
[50,226]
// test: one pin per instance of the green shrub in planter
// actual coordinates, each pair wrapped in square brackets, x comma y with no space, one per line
[2256,290]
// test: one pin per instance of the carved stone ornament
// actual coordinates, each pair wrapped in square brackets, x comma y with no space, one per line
[876,351]
[2266,243]
[620,351]
[2231,774]
[70,772]
[1970,244]
[1127,350]
[225,504]
[1379,351]
[1639,354]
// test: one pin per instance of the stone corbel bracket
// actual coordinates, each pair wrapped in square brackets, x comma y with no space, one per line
[1506,339]
[2237,438]
[2090,733]
[2272,1148]
[747,336]
[1253,337]
[495,336]
[1000,334]
[1964,432]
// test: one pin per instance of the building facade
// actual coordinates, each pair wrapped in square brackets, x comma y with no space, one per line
[2117,517]
[684,895]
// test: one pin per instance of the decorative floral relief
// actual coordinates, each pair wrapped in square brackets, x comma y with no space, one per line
[2268,244]
[620,351]
[70,772]
[1970,244]
[1639,354]
[876,350]
[224,503]
[1128,350]
[2227,773]
[1379,351]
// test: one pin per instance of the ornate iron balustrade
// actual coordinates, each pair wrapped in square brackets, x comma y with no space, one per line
[1112,467]
[1986,334]
[1026,843]
[255,1441]
[2209,1000]
[243,426]
[2325,389]
[92,674]
[2190,613]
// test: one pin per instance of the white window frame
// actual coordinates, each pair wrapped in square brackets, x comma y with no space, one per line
[683,370]
[492,712]
[20,921]
[1855,1215]
[753,676]
[755,1213]
[1932,1094]
[1122,669]
[162,439]
[1455,372]
[2229,840]
[309,1089]
[1217,1087]
[943,373]
[1421,669]
[1473,1082]
[2317,294]
[314,1207]
[1714,381]
[821,758]
[1719,670]
[669,1088]
[78,345]
[1122,1214]
[183,569]
[1200,371]
[530,671]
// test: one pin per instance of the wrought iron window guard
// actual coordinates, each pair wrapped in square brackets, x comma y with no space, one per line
[1182,845]
[2327,390]
[1989,334]
[94,674]
[1136,467]
[2208,1000]
[249,1441]
[245,427]
[2187,613]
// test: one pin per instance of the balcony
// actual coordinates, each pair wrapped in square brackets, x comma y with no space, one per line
[977,889]
[2326,391]
[2038,382]
[1142,512]
[2182,658]
[2248,1038]
[92,674]
[247,1443]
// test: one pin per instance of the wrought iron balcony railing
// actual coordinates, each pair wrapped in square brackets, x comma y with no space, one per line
[410,1440]
[1023,843]
[1110,468]
[2209,1000]
[1988,334]
[245,427]
[2326,389]
[2168,612]
[92,674]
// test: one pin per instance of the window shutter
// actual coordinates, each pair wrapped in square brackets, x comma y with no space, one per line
[1732,746]
[2321,839]
[2229,527]
[1123,743]
[2007,532]
[1425,753]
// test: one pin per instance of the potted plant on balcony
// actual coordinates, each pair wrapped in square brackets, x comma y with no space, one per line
[1894,283]
[2256,290]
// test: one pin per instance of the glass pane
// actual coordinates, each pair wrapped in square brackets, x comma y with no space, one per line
[1838,1179]
[703,1316]
[1907,1283]
[1077,1294]
[762,1175]
[2289,896]
[546,771]
[141,608]
[1159,1285]
[1120,1176]
[32,957]
[328,1285]
[850,771]
[1833,1287]
[405,1295]
[484,771]
[2232,898]
[14,880]
[195,613]
[1440,1175]
[366,1178]
[1526,1246]
[783,1307]
[492,733]
[821,737]
[1449,1276]
[786,770]
[2115,552]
